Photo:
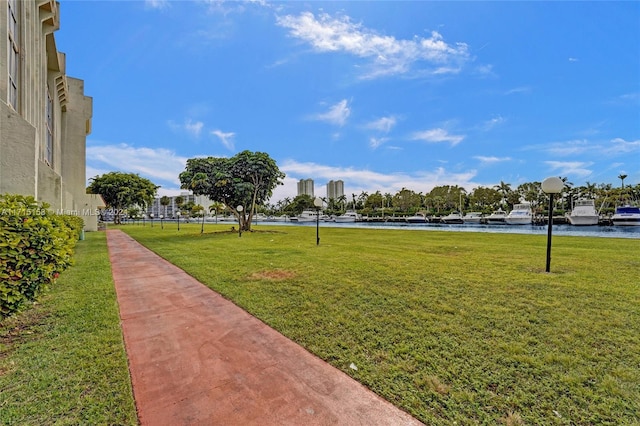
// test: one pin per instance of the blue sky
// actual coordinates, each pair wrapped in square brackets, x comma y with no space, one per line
[382,95]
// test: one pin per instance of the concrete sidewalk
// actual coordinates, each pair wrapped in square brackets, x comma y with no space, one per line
[196,358]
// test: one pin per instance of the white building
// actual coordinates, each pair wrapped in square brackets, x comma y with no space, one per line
[171,210]
[335,189]
[305,187]
[44,115]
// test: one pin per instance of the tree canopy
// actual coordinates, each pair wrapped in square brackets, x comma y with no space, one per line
[123,190]
[247,179]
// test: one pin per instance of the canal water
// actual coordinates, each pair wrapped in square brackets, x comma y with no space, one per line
[570,230]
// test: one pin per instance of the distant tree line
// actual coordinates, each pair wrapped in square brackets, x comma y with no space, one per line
[444,199]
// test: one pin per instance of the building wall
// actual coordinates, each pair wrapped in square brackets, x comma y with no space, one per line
[305,186]
[156,209]
[335,189]
[42,136]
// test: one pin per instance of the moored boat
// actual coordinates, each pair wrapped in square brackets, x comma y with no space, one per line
[417,218]
[348,217]
[305,216]
[520,215]
[583,213]
[626,216]
[452,218]
[472,217]
[497,217]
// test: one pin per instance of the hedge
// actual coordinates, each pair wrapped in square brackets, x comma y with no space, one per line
[35,246]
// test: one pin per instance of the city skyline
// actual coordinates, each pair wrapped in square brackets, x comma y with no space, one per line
[380,95]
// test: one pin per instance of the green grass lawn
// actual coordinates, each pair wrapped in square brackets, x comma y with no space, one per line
[63,361]
[451,327]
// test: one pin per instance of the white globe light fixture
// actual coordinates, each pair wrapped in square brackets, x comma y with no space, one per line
[551,185]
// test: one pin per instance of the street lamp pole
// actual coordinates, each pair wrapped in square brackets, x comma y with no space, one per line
[318,203]
[161,221]
[551,185]
[239,209]
[151,217]
[178,216]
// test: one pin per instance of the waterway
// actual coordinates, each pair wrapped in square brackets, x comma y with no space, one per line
[569,230]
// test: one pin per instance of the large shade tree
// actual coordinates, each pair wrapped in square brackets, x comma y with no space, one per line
[121,191]
[247,179]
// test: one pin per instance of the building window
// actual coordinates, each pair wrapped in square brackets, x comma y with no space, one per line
[13,52]
[49,147]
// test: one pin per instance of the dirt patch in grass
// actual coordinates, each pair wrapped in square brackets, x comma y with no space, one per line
[273,275]
[19,329]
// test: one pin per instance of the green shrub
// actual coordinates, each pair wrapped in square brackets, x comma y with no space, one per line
[35,246]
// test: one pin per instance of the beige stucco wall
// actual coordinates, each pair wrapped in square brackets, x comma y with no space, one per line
[24,168]
[17,153]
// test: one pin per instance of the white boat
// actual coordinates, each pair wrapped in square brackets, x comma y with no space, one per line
[497,217]
[520,215]
[348,217]
[305,216]
[452,218]
[282,218]
[626,216]
[417,218]
[472,217]
[583,213]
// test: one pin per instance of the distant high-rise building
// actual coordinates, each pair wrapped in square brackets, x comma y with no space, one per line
[335,189]
[305,187]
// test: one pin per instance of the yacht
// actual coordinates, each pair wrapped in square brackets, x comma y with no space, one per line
[452,218]
[348,217]
[626,216]
[417,218]
[520,215]
[305,216]
[497,217]
[583,213]
[472,217]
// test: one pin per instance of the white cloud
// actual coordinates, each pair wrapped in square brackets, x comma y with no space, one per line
[225,138]
[383,124]
[194,128]
[157,4]
[573,147]
[191,127]
[570,168]
[490,124]
[388,55]
[376,142]
[518,90]
[337,114]
[156,164]
[620,146]
[437,135]
[491,160]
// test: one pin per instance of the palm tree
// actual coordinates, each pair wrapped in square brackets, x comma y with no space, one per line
[342,200]
[179,202]
[165,201]
[622,177]
[215,207]
[504,189]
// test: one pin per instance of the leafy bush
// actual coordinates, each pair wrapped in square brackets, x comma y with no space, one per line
[35,246]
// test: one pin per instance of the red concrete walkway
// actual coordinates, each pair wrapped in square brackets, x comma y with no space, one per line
[196,358]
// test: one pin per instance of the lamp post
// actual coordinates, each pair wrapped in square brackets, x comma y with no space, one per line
[551,185]
[161,222]
[178,216]
[202,224]
[239,209]
[318,203]
[151,217]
